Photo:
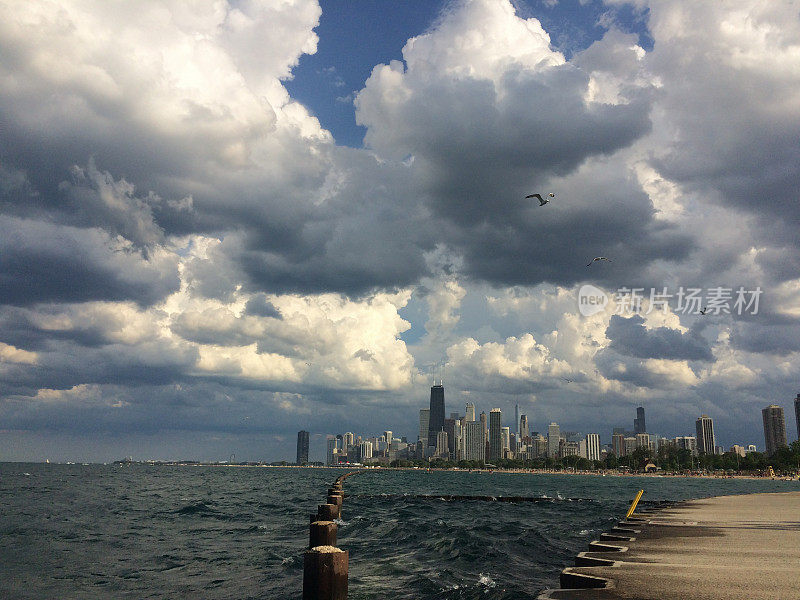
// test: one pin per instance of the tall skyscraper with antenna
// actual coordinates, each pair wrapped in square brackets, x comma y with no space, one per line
[436,422]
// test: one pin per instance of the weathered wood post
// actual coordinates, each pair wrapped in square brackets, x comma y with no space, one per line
[325,573]
[322,533]
[328,512]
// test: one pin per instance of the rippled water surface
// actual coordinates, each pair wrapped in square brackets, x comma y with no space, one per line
[137,531]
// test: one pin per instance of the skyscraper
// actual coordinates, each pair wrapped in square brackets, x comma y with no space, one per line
[469,411]
[388,436]
[705,435]
[638,423]
[495,435]
[330,450]
[774,428]
[450,428]
[436,422]
[618,444]
[474,444]
[797,414]
[302,447]
[524,430]
[593,446]
[553,437]
[424,420]
[516,419]
[505,435]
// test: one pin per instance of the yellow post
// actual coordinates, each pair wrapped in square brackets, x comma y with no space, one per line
[635,502]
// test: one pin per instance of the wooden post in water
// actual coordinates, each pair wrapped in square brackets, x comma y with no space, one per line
[322,533]
[328,512]
[325,573]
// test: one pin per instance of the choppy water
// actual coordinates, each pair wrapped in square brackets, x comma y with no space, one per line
[137,531]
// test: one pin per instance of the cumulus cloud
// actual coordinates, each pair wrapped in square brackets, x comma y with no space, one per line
[183,245]
[631,337]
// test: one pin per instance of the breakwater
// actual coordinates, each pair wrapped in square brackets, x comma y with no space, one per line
[722,548]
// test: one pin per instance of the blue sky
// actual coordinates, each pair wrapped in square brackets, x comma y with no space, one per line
[355,36]
[201,253]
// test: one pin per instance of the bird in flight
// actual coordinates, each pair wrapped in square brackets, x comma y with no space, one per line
[597,258]
[702,312]
[542,201]
[567,379]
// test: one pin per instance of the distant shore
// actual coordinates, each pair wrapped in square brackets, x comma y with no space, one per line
[486,471]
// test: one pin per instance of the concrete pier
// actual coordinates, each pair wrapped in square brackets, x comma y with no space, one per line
[725,548]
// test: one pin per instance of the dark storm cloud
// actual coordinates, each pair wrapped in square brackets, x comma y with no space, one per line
[42,262]
[629,369]
[554,243]
[760,338]
[732,121]
[630,337]
[259,306]
[63,365]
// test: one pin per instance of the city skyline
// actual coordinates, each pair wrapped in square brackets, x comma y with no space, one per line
[488,440]
[222,226]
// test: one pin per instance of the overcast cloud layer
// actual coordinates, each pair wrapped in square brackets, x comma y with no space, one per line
[189,265]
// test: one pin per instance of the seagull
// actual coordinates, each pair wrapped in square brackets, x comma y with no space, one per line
[568,380]
[542,201]
[702,312]
[596,258]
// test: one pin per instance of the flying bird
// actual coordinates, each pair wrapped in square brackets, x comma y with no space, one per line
[567,379]
[542,201]
[597,258]
[703,311]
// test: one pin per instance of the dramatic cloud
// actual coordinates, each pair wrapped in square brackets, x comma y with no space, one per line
[184,248]
[631,337]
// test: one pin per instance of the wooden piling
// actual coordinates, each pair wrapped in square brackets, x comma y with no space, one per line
[328,512]
[325,573]
[322,533]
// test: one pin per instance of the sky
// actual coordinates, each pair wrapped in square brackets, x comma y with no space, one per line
[223,222]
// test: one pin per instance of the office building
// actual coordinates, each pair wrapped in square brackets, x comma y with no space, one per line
[330,450]
[474,442]
[687,442]
[638,423]
[553,437]
[388,436]
[436,423]
[495,435]
[593,446]
[469,411]
[737,449]
[642,440]
[705,435]
[348,441]
[302,447]
[797,414]
[538,445]
[516,418]
[774,428]
[524,429]
[365,451]
[424,420]
[442,450]
[618,444]
[450,429]
[505,435]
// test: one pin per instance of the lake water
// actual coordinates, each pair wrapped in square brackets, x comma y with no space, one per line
[139,531]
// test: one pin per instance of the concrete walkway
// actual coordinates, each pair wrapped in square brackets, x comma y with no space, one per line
[723,548]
